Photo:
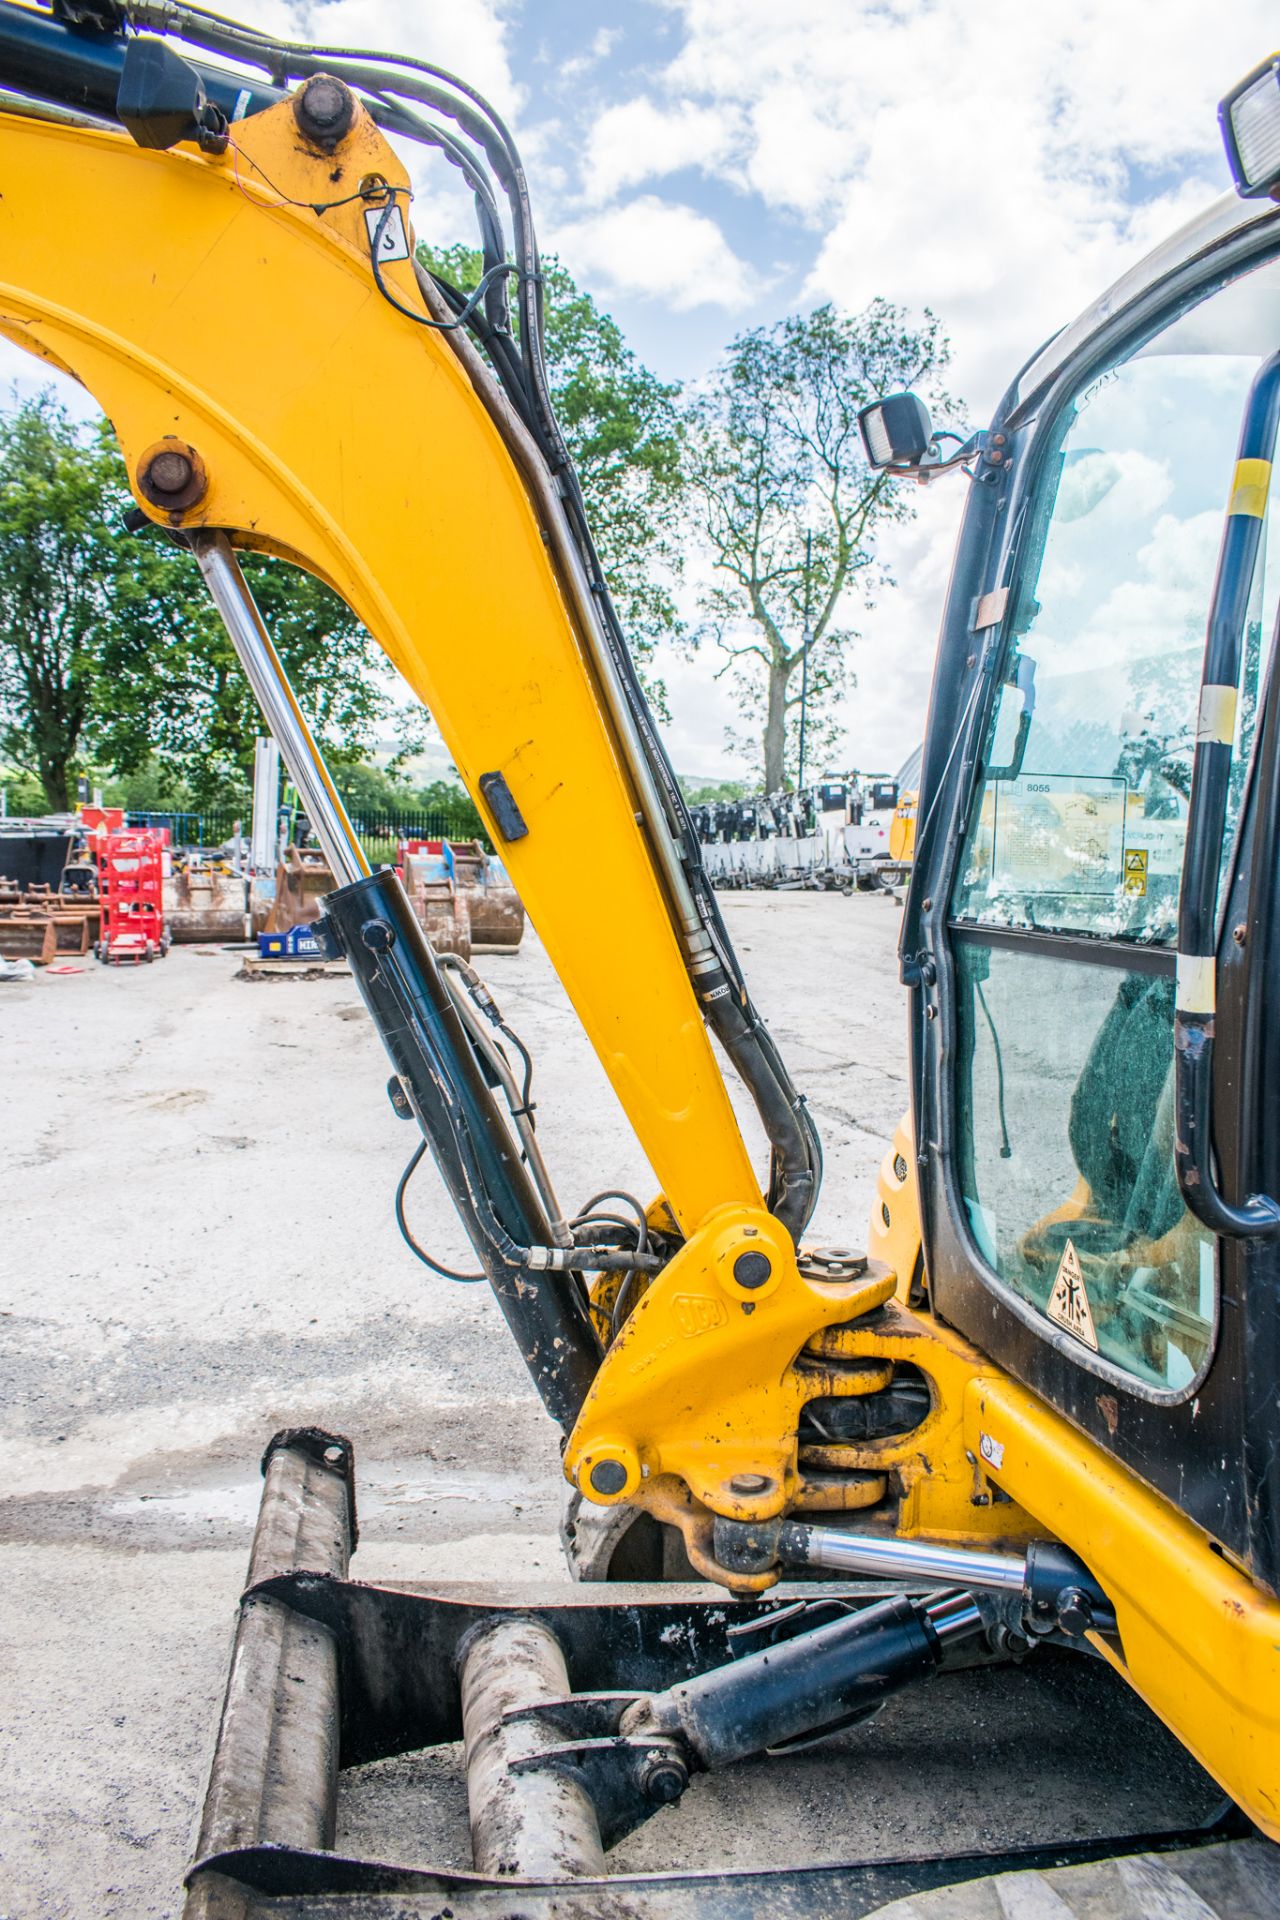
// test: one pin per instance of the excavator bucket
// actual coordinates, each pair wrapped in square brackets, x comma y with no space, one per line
[440,904]
[463,897]
[497,917]
[204,903]
[580,1713]
[303,878]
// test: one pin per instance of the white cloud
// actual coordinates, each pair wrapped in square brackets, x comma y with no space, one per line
[603,42]
[1000,164]
[978,160]
[640,141]
[658,249]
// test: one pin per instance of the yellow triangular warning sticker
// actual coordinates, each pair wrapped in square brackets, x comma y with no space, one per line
[1069,1303]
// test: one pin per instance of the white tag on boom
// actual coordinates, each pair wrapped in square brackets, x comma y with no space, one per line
[395,241]
[1069,1303]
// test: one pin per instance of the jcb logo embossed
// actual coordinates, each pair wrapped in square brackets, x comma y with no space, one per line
[697,1313]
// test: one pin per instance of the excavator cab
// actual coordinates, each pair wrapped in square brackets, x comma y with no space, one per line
[1088,935]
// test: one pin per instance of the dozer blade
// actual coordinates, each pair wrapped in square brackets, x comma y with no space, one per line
[566,1701]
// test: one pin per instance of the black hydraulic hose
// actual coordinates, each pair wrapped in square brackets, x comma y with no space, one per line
[726,1004]
[399,979]
[1195,1016]
[420,1253]
[727,1007]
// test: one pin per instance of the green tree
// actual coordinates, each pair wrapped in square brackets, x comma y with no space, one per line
[110,648]
[186,702]
[699,792]
[791,511]
[61,562]
[622,427]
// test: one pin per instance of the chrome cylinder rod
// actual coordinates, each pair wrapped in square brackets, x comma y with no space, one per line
[265,673]
[954,1616]
[858,1553]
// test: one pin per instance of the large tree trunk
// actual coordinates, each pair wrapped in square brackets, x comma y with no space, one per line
[775,729]
[54,728]
[55,778]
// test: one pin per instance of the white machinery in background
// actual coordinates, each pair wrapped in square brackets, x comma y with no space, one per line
[838,835]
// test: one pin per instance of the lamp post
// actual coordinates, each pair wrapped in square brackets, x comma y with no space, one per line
[805,638]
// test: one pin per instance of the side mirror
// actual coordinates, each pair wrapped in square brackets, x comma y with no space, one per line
[896,432]
[1250,122]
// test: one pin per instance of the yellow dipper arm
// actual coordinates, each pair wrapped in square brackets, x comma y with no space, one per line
[193,300]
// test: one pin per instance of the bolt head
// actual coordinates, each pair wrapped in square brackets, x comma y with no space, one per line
[664,1781]
[832,1266]
[324,109]
[170,472]
[752,1269]
[750,1483]
[171,475]
[378,935]
[1075,1611]
[608,1477]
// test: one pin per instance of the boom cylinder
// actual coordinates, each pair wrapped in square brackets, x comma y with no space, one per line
[265,673]
[402,985]
[370,921]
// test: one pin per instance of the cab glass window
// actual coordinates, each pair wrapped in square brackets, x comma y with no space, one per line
[1079,818]
[1067,1157]
[1064,907]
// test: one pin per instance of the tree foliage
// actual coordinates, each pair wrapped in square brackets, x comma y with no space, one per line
[110,649]
[197,716]
[791,510]
[622,427]
[61,568]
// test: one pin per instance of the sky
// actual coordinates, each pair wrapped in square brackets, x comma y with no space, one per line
[704,166]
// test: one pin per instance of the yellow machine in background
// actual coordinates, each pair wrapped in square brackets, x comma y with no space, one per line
[902,834]
[922,1418]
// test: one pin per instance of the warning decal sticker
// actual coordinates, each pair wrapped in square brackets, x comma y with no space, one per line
[1069,1303]
[1135,870]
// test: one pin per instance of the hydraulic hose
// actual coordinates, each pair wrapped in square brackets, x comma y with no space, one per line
[709,953]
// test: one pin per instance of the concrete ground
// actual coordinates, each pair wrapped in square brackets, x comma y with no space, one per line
[198,1248]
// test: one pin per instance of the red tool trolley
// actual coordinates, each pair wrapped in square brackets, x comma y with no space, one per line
[131,882]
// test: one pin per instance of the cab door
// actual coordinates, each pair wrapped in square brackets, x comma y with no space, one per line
[1057,1237]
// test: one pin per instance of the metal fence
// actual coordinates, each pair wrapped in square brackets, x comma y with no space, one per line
[379,830]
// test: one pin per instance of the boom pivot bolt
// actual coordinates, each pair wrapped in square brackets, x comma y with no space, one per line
[608,1477]
[170,472]
[324,110]
[171,475]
